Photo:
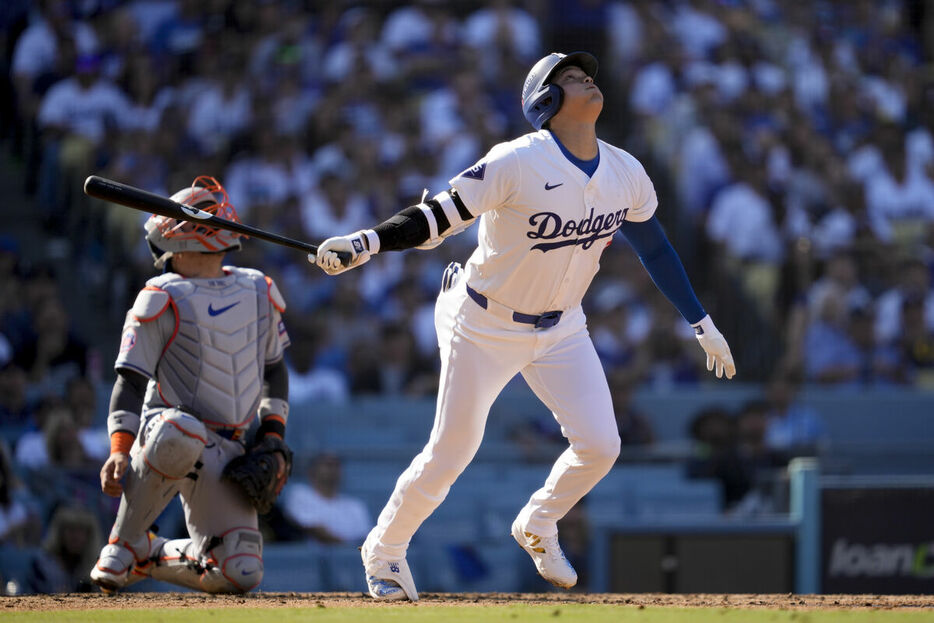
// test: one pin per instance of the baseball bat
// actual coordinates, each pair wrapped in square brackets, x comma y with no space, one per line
[145,201]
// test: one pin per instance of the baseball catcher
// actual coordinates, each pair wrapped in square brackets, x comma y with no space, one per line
[200,358]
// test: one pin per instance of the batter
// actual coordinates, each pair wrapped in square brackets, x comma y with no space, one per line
[549,202]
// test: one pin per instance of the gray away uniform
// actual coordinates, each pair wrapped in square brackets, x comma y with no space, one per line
[204,344]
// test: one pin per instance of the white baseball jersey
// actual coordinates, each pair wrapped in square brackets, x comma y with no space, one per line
[544,222]
[543,225]
[205,342]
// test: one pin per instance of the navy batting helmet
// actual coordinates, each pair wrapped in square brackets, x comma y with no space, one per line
[541,100]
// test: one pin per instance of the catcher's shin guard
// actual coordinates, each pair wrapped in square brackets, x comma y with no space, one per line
[233,565]
[171,445]
[387,580]
[121,564]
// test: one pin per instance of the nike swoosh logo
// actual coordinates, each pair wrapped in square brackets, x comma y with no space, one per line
[547,187]
[217,312]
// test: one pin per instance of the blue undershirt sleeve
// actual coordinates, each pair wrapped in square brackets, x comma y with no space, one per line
[660,259]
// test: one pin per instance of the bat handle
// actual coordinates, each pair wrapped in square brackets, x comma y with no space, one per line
[344,256]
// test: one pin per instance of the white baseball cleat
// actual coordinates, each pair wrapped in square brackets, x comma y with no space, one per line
[547,556]
[387,580]
[117,566]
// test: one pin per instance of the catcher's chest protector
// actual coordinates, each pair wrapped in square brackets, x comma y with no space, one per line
[214,365]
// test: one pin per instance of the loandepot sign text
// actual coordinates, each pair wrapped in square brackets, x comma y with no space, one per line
[882,560]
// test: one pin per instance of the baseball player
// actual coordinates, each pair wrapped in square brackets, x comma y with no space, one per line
[548,202]
[201,356]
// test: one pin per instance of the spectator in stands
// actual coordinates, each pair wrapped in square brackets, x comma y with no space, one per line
[63,443]
[423,38]
[875,364]
[619,322]
[913,281]
[31,450]
[320,509]
[744,224]
[55,354]
[14,311]
[503,28]
[54,441]
[69,552]
[81,400]
[758,463]
[916,343]
[841,349]
[50,38]
[634,428]
[899,198]
[794,428]
[715,454]
[179,35]
[358,46]
[308,380]
[16,409]
[222,109]
[334,206]
[840,281]
[293,47]
[828,352]
[670,361]
[393,368]
[77,116]
[19,520]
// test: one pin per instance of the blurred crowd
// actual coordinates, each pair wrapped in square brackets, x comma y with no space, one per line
[790,144]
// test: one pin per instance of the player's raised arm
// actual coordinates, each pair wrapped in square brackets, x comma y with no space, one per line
[659,258]
[424,225]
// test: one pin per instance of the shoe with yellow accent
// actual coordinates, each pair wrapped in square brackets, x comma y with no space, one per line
[547,556]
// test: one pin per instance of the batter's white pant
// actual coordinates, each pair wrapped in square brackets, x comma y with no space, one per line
[480,353]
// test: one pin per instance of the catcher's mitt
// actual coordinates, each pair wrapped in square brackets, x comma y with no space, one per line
[255,473]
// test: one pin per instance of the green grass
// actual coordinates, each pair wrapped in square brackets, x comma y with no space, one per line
[576,613]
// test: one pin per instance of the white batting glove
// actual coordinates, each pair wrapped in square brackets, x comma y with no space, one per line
[354,244]
[714,344]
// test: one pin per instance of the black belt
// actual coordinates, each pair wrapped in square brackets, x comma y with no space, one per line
[541,321]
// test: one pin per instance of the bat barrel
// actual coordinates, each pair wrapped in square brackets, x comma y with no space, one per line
[139,199]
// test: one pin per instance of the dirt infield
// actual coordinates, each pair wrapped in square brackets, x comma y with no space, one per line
[349,600]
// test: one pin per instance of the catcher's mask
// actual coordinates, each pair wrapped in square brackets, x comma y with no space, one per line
[542,100]
[167,236]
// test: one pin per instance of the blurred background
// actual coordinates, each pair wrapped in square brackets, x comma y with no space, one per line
[790,144]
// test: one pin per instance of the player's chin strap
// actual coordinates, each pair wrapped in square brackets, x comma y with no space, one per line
[162,259]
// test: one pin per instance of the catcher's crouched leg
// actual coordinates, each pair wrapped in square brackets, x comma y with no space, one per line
[173,443]
[233,565]
[169,448]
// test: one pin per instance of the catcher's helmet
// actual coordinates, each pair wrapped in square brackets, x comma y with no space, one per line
[541,100]
[168,235]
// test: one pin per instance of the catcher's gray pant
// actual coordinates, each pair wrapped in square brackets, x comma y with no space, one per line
[481,350]
[176,453]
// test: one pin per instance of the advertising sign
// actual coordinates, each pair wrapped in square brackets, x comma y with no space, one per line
[877,540]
